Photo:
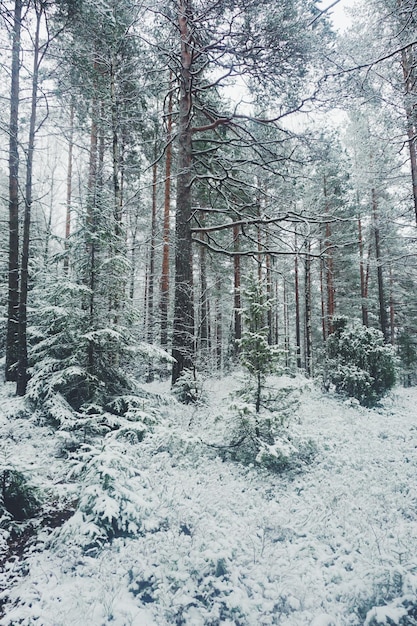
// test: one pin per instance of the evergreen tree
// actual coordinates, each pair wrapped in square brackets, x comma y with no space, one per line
[359,364]
[256,353]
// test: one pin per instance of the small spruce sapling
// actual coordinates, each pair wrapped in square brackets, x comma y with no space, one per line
[261,434]
[257,356]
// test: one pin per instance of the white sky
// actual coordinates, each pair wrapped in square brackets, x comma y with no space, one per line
[340,17]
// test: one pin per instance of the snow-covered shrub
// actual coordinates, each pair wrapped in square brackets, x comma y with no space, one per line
[360,364]
[18,498]
[202,590]
[111,502]
[71,363]
[188,388]
[401,611]
[267,438]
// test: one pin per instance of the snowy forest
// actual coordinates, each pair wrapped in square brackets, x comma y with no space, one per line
[209,331]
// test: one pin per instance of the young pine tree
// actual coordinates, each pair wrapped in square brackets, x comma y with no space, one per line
[257,355]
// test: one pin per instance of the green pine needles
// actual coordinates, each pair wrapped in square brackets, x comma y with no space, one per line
[257,356]
[360,364]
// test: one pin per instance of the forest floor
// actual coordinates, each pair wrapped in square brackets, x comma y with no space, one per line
[210,541]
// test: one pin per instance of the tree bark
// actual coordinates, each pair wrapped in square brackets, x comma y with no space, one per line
[151,277]
[322,295]
[183,326]
[204,325]
[391,306]
[364,290]
[381,295]
[13,266]
[286,324]
[297,307]
[22,373]
[329,269]
[308,311]
[164,300]
[219,324]
[69,188]
[268,269]
[91,225]
[410,85]
[237,301]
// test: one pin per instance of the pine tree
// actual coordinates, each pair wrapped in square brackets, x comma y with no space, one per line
[256,353]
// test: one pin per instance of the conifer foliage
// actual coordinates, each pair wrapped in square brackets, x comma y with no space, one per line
[257,356]
[360,365]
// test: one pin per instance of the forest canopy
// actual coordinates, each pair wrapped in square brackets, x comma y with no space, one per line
[156,157]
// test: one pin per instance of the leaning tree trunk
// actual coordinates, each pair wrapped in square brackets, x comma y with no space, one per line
[13,277]
[183,326]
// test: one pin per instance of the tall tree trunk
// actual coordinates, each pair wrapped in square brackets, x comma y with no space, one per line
[364,289]
[276,296]
[237,301]
[286,324]
[117,190]
[219,324]
[204,330]
[91,219]
[297,307]
[329,282]
[381,296]
[322,295]
[22,373]
[151,277]
[391,306]
[270,310]
[183,326]
[13,269]
[204,321]
[308,311]
[409,70]
[69,187]
[329,268]
[117,246]
[164,301]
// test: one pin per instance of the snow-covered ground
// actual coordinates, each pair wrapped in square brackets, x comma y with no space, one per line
[213,542]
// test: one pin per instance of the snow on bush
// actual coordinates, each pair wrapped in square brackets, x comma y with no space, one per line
[360,364]
[114,500]
[188,388]
[268,438]
[206,542]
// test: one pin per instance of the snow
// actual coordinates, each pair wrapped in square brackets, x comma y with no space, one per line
[333,542]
